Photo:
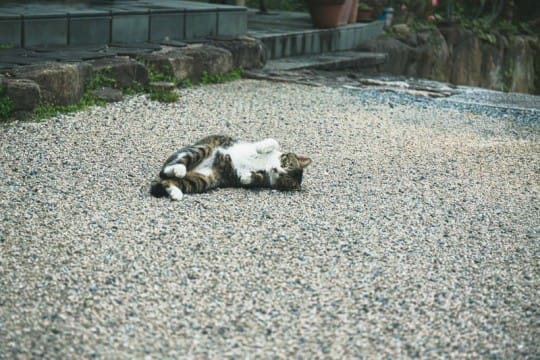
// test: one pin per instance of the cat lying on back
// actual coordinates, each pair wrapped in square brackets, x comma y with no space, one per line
[219,161]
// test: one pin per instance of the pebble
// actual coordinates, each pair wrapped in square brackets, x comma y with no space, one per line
[412,223]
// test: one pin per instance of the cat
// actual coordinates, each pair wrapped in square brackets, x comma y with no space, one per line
[220,161]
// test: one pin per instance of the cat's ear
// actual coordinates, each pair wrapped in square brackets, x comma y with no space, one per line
[304,161]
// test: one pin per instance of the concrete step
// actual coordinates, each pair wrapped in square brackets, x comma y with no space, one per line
[32,23]
[328,61]
[288,34]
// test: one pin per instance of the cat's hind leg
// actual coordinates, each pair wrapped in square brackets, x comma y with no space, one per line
[167,187]
[185,160]
[191,183]
[175,193]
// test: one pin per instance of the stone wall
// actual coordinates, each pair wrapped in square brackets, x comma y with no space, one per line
[509,63]
[56,83]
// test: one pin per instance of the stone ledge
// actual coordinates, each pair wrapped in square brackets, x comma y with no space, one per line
[59,83]
[460,57]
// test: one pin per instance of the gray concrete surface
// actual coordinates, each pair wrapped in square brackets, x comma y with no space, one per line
[416,233]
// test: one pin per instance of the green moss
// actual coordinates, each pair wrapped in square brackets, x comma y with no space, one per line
[163,73]
[165,96]
[135,88]
[44,110]
[101,79]
[186,84]
[6,105]
[508,76]
[232,75]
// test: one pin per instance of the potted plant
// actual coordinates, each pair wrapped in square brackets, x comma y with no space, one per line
[365,12]
[330,13]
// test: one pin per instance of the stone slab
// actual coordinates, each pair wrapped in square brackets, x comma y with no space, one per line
[231,23]
[10,30]
[201,24]
[45,31]
[89,30]
[129,28]
[167,26]
[328,61]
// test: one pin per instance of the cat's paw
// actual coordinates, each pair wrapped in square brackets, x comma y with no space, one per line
[175,193]
[245,178]
[176,170]
[267,146]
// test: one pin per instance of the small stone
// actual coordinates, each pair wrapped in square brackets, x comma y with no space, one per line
[162,86]
[108,94]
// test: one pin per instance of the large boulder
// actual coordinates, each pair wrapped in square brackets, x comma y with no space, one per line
[492,75]
[398,54]
[125,71]
[247,53]
[59,83]
[169,61]
[459,56]
[207,58]
[189,62]
[466,59]
[25,94]
[519,64]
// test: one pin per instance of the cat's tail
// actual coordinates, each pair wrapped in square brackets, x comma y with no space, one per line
[157,189]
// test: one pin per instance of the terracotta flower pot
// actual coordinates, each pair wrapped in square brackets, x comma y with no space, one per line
[364,15]
[328,13]
[353,13]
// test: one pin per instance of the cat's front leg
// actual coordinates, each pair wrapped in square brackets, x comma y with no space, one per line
[252,178]
[266,146]
[246,178]
[177,170]
[174,192]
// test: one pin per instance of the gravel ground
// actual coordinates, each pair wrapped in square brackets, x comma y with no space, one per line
[416,233]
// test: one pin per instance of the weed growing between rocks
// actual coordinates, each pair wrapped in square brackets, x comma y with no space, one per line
[164,74]
[45,110]
[6,105]
[103,78]
[166,96]
[232,75]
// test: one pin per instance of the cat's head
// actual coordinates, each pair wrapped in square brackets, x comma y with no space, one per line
[294,166]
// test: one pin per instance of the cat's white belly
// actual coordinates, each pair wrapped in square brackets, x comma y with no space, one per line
[245,159]
[205,167]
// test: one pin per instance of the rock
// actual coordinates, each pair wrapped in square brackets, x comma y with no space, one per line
[461,57]
[247,53]
[398,54]
[492,76]
[124,70]
[535,45]
[467,60]
[60,83]
[519,65]
[169,61]
[213,60]
[190,62]
[401,29]
[432,57]
[162,86]
[25,94]
[108,94]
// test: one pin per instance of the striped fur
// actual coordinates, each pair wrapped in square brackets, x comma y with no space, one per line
[209,164]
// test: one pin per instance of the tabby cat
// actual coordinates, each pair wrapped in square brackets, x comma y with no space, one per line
[219,161]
